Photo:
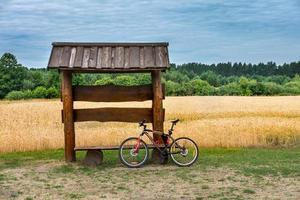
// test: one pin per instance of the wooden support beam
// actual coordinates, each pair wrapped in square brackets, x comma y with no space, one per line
[113,93]
[68,117]
[157,105]
[113,114]
[114,147]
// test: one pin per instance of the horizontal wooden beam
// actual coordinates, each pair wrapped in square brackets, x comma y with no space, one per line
[108,70]
[113,93]
[113,114]
[116,147]
[112,44]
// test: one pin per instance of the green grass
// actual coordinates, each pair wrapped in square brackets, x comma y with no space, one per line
[249,191]
[254,161]
[249,161]
[63,169]
[74,196]
[15,159]
[205,187]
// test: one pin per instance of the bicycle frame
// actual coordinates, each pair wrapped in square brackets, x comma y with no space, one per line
[165,147]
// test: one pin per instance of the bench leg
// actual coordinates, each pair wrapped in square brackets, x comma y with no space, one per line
[157,158]
[93,158]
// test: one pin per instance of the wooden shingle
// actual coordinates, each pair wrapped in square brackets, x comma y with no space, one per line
[110,57]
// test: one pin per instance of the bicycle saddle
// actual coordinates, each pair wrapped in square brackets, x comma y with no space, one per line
[175,121]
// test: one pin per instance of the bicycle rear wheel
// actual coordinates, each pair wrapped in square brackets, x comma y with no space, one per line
[184,151]
[133,152]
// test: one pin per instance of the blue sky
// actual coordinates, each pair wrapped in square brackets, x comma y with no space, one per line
[206,31]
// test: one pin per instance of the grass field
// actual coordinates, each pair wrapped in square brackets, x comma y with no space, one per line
[210,121]
[222,126]
[220,173]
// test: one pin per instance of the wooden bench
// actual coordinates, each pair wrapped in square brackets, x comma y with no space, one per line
[150,146]
[94,155]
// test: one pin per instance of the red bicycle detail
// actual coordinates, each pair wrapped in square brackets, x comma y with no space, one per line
[134,152]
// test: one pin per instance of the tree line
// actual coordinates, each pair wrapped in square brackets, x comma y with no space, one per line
[244,69]
[19,82]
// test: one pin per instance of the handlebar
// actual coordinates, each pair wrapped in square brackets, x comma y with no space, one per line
[142,123]
[174,122]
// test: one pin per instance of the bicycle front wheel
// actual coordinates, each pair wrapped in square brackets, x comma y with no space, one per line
[133,152]
[184,151]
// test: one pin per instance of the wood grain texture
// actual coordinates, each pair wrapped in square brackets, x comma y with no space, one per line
[72,58]
[134,57]
[167,56]
[65,57]
[160,56]
[68,117]
[113,114]
[106,57]
[55,56]
[99,60]
[103,56]
[110,70]
[113,49]
[79,57]
[149,57]
[113,93]
[93,57]
[86,56]
[119,61]
[142,58]
[157,105]
[126,58]
[111,44]
[115,147]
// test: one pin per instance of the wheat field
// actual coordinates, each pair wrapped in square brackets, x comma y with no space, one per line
[210,121]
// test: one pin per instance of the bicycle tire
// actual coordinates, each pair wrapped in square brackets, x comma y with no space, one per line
[122,158]
[176,161]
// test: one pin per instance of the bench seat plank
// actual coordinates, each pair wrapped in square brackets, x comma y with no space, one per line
[150,146]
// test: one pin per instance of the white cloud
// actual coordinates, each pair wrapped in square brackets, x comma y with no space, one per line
[198,30]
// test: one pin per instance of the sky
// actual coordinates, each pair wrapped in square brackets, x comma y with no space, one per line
[206,31]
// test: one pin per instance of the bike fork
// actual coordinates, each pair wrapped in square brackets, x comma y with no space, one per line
[137,145]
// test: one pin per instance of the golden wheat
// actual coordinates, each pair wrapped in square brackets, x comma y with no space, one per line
[210,121]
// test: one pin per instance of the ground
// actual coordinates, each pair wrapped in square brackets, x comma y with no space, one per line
[220,173]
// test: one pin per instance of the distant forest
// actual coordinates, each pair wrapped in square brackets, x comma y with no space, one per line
[239,79]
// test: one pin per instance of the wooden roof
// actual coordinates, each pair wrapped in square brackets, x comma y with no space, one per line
[111,57]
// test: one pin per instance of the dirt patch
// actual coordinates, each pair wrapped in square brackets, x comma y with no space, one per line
[57,180]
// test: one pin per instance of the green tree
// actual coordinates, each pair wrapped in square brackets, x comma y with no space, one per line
[104,81]
[15,95]
[12,74]
[272,89]
[125,80]
[40,92]
[245,85]
[172,88]
[52,92]
[231,89]
[200,87]
[212,78]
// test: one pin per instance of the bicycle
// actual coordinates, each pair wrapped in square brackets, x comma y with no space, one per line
[134,152]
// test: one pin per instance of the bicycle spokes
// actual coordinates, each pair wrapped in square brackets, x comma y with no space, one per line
[133,152]
[184,151]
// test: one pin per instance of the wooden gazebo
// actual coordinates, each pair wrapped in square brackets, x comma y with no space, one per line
[71,58]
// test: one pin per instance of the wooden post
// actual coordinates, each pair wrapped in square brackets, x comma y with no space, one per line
[157,105]
[69,131]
